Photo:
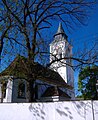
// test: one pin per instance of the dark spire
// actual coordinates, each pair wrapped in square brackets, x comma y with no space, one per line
[60,31]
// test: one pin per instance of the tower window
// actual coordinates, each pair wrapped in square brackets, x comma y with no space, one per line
[21,90]
[69,50]
[60,55]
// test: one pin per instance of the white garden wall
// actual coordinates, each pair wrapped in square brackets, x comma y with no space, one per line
[68,110]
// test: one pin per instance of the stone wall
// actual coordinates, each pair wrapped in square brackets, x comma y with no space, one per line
[68,110]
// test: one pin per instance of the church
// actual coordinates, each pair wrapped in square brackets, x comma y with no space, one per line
[55,84]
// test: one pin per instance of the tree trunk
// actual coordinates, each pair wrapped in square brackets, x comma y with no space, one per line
[2,97]
[30,94]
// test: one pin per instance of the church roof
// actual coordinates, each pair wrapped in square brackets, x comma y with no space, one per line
[16,68]
[19,68]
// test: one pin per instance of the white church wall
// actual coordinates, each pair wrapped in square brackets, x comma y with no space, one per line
[62,71]
[68,110]
[8,97]
[0,93]
[8,91]
[95,107]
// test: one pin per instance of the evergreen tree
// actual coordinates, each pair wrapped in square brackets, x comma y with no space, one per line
[87,82]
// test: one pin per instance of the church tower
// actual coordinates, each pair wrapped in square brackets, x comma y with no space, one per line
[61,51]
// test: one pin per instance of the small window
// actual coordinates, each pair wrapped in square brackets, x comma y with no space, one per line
[21,90]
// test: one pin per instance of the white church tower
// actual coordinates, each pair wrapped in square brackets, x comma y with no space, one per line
[61,51]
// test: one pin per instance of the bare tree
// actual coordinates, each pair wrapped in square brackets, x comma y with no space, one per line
[23,21]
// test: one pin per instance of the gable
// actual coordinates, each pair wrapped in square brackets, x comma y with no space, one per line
[19,68]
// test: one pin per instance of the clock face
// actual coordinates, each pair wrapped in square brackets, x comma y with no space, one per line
[61,44]
[58,45]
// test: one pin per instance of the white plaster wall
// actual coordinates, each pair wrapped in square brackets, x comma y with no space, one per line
[8,97]
[0,92]
[68,110]
[62,71]
[95,106]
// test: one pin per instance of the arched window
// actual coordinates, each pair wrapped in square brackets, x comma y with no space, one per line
[21,90]
[68,50]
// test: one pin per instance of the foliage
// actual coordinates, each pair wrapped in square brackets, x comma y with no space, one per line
[87,82]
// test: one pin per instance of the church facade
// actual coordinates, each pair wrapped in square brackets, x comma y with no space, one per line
[13,89]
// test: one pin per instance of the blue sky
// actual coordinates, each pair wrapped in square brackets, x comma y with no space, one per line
[88,34]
